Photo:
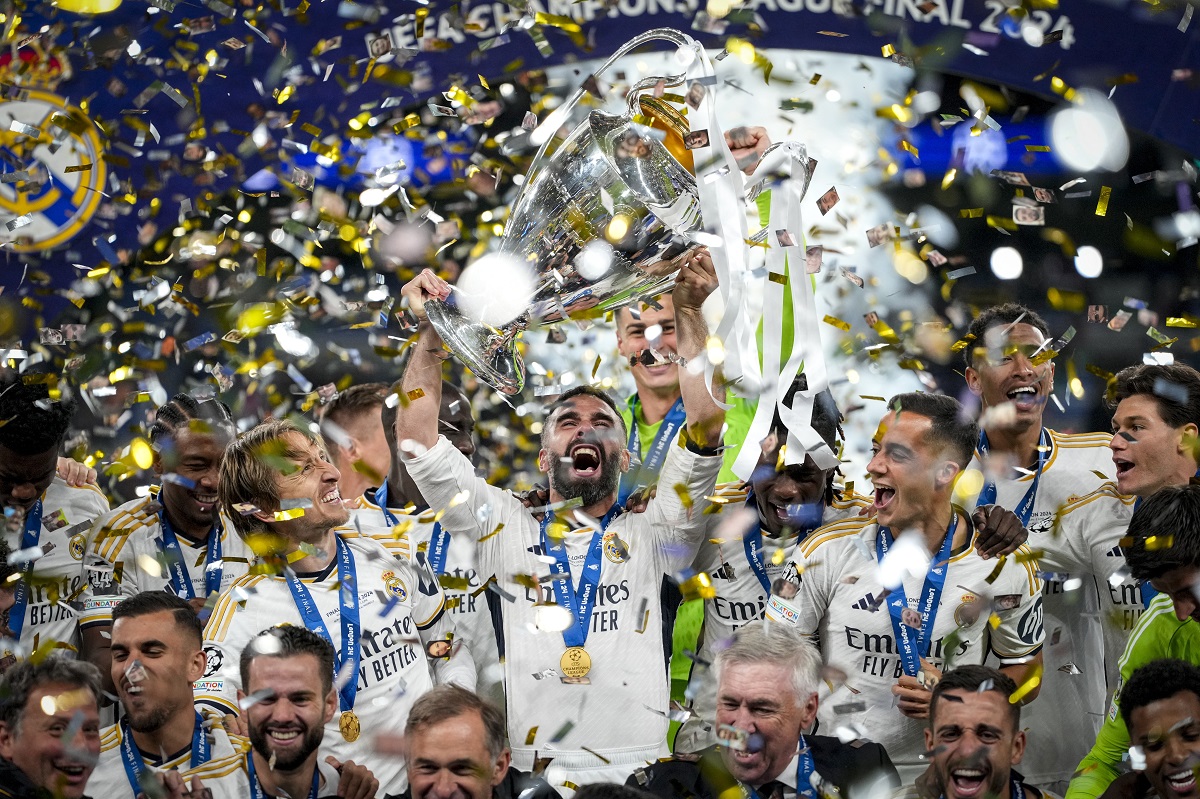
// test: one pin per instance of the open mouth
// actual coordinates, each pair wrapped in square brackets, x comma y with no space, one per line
[585,460]
[334,496]
[74,772]
[1123,466]
[883,497]
[1024,397]
[968,782]
[206,501]
[134,690]
[284,736]
[1182,782]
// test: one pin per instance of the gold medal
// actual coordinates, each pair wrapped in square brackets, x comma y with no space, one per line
[575,662]
[349,726]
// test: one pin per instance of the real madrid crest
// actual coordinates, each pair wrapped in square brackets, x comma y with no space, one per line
[615,549]
[394,585]
[53,154]
[76,546]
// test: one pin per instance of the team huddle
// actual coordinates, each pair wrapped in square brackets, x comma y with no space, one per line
[340,606]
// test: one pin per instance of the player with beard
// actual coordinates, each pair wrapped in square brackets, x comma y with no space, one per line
[975,739]
[1035,471]
[156,657]
[596,654]
[288,674]
[41,513]
[177,539]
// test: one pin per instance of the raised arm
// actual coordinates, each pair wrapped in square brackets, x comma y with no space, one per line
[697,279]
[422,384]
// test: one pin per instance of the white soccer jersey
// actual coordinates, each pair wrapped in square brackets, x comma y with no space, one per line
[1091,529]
[839,602]
[400,610]
[229,777]
[1073,685]
[466,600]
[56,584]
[741,597]
[125,557]
[111,781]
[617,714]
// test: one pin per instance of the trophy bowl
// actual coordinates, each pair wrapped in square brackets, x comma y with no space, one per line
[610,180]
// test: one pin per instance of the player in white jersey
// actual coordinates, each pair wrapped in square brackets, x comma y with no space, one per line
[397,511]
[1153,446]
[887,614]
[391,630]
[287,673]
[585,671]
[45,521]
[354,437]
[1035,472]
[177,539]
[750,543]
[157,654]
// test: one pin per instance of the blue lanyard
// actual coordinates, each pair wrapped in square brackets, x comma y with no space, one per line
[29,540]
[131,757]
[653,462]
[580,604]
[1024,510]
[439,541]
[181,579]
[256,789]
[351,651]
[911,651]
[753,544]
[804,771]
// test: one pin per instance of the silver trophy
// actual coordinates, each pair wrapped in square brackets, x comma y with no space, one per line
[608,180]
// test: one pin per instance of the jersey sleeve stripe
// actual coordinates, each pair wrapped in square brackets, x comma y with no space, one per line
[832,532]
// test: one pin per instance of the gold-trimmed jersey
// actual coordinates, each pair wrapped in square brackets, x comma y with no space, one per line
[110,779]
[56,582]
[840,603]
[1073,684]
[125,557]
[229,778]
[740,597]
[461,580]
[401,610]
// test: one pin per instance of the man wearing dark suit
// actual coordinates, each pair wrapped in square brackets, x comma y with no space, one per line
[766,697]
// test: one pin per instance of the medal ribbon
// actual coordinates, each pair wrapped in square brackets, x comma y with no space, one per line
[753,544]
[131,756]
[653,462]
[351,650]
[911,651]
[1024,510]
[29,540]
[181,579]
[256,789]
[439,542]
[579,603]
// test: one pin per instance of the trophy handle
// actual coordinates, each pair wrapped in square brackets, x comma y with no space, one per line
[491,353]
[560,114]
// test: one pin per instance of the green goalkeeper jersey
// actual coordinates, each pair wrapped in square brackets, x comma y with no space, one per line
[1158,634]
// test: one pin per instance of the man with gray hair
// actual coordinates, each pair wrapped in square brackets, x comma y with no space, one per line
[766,697]
[457,750]
[49,728]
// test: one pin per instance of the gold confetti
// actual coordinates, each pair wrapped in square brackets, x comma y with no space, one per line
[1102,204]
[1182,321]
[970,213]
[529,736]
[838,323]
[415,394]
[1031,682]
[291,513]
[80,168]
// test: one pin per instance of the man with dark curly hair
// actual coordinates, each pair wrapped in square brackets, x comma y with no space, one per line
[45,520]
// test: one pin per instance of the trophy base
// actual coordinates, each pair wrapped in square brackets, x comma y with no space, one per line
[487,351]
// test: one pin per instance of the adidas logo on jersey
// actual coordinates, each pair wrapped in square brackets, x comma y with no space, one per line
[868,602]
[1115,552]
